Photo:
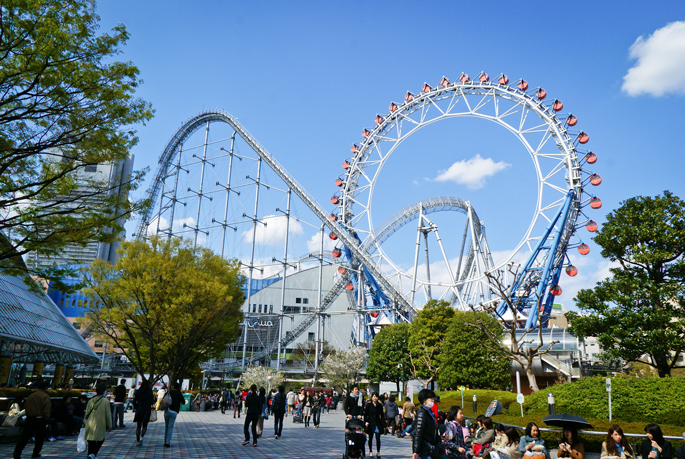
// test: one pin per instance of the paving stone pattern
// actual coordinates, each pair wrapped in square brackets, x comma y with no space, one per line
[212,435]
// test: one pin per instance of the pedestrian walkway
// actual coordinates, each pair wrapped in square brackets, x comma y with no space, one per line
[212,435]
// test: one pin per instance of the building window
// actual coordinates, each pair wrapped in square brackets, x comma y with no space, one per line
[91,168]
[77,325]
[98,344]
[298,300]
[310,336]
[271,309]
[260,308]
[254,308]
[305,300]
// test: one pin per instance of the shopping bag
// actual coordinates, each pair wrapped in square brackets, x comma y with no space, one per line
[81,441]
[153,415]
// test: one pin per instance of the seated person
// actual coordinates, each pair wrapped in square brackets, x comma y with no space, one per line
[532,443]
[511,446]
[483,439]
[570,445]
[656,447]
[616,444]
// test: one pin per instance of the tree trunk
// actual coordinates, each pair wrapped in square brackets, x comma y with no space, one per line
[662,365]
[531,378]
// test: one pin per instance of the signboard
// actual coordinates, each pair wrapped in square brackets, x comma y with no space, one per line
[519,398]
[608,384]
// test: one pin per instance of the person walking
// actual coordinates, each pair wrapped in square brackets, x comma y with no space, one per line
[160,396]
[291,401]
[172,411]
[425,437]
[223,401]
[264,410]
[279,408]
[375,423]
[237,403]
[37,408]
[129,400]
[252,414]
[142,403]
[119,404]
[354,403]
[392,416]
[98,420]
[306,407]
[317,406]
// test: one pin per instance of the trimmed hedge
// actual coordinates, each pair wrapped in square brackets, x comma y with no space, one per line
[647,400]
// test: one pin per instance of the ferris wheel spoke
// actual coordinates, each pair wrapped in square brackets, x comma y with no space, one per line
[484,101]
[543,141]
[536,129]
[524,116]
[556,187]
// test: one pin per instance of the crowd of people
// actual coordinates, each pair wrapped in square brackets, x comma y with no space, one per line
[431,429]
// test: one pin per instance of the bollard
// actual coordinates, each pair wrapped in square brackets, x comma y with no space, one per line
[475,403]
[550,403]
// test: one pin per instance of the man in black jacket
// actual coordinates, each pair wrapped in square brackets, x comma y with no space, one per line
[354,404]
[253,411]
[119,403]
[279,406]
[425,435]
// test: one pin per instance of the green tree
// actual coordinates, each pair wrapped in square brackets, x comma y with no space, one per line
[167,305]
[426,340]
[65,105]
[389,355]
[640,310]
[466,360]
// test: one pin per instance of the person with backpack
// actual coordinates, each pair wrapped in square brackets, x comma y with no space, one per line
[171,411]
[392,415]
[237,403]
[291,401]
[279,408]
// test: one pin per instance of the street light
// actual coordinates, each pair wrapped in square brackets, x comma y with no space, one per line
[400,366]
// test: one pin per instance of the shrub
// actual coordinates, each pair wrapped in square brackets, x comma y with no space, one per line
[647,400]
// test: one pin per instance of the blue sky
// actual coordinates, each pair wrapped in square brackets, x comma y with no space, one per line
[306,77]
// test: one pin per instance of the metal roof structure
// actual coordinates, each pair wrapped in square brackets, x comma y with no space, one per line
[32,326]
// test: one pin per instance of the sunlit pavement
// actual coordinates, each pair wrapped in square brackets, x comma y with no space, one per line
[212,435]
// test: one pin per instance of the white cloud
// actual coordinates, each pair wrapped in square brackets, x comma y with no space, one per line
[472,172]
[660,67]
[273,233]
[314,243]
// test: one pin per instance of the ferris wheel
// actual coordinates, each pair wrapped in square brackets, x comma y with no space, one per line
[559,162]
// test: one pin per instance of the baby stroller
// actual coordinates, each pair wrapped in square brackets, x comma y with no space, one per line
[355,439]
[297,413]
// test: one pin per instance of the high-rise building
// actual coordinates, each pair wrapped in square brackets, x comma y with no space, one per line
[115,174]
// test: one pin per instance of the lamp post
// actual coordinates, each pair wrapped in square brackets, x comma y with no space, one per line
[400,366]
[475,403]
[550,403]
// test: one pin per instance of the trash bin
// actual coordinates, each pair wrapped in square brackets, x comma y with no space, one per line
[186,405]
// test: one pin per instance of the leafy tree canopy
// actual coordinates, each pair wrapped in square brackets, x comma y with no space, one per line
[466,360]
[65,104]
[168,305]
[388,357]
[426,339]
[640,310]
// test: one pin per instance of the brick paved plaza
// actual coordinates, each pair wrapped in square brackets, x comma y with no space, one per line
[212,435]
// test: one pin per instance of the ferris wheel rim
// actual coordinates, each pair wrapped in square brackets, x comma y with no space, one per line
[567,158]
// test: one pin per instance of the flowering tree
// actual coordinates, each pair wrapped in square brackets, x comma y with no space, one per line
[259,376]
[343,367]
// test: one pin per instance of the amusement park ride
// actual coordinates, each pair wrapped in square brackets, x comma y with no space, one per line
[229,194]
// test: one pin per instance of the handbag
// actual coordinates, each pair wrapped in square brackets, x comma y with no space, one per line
[165,403]
[81,441]
[153,415]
